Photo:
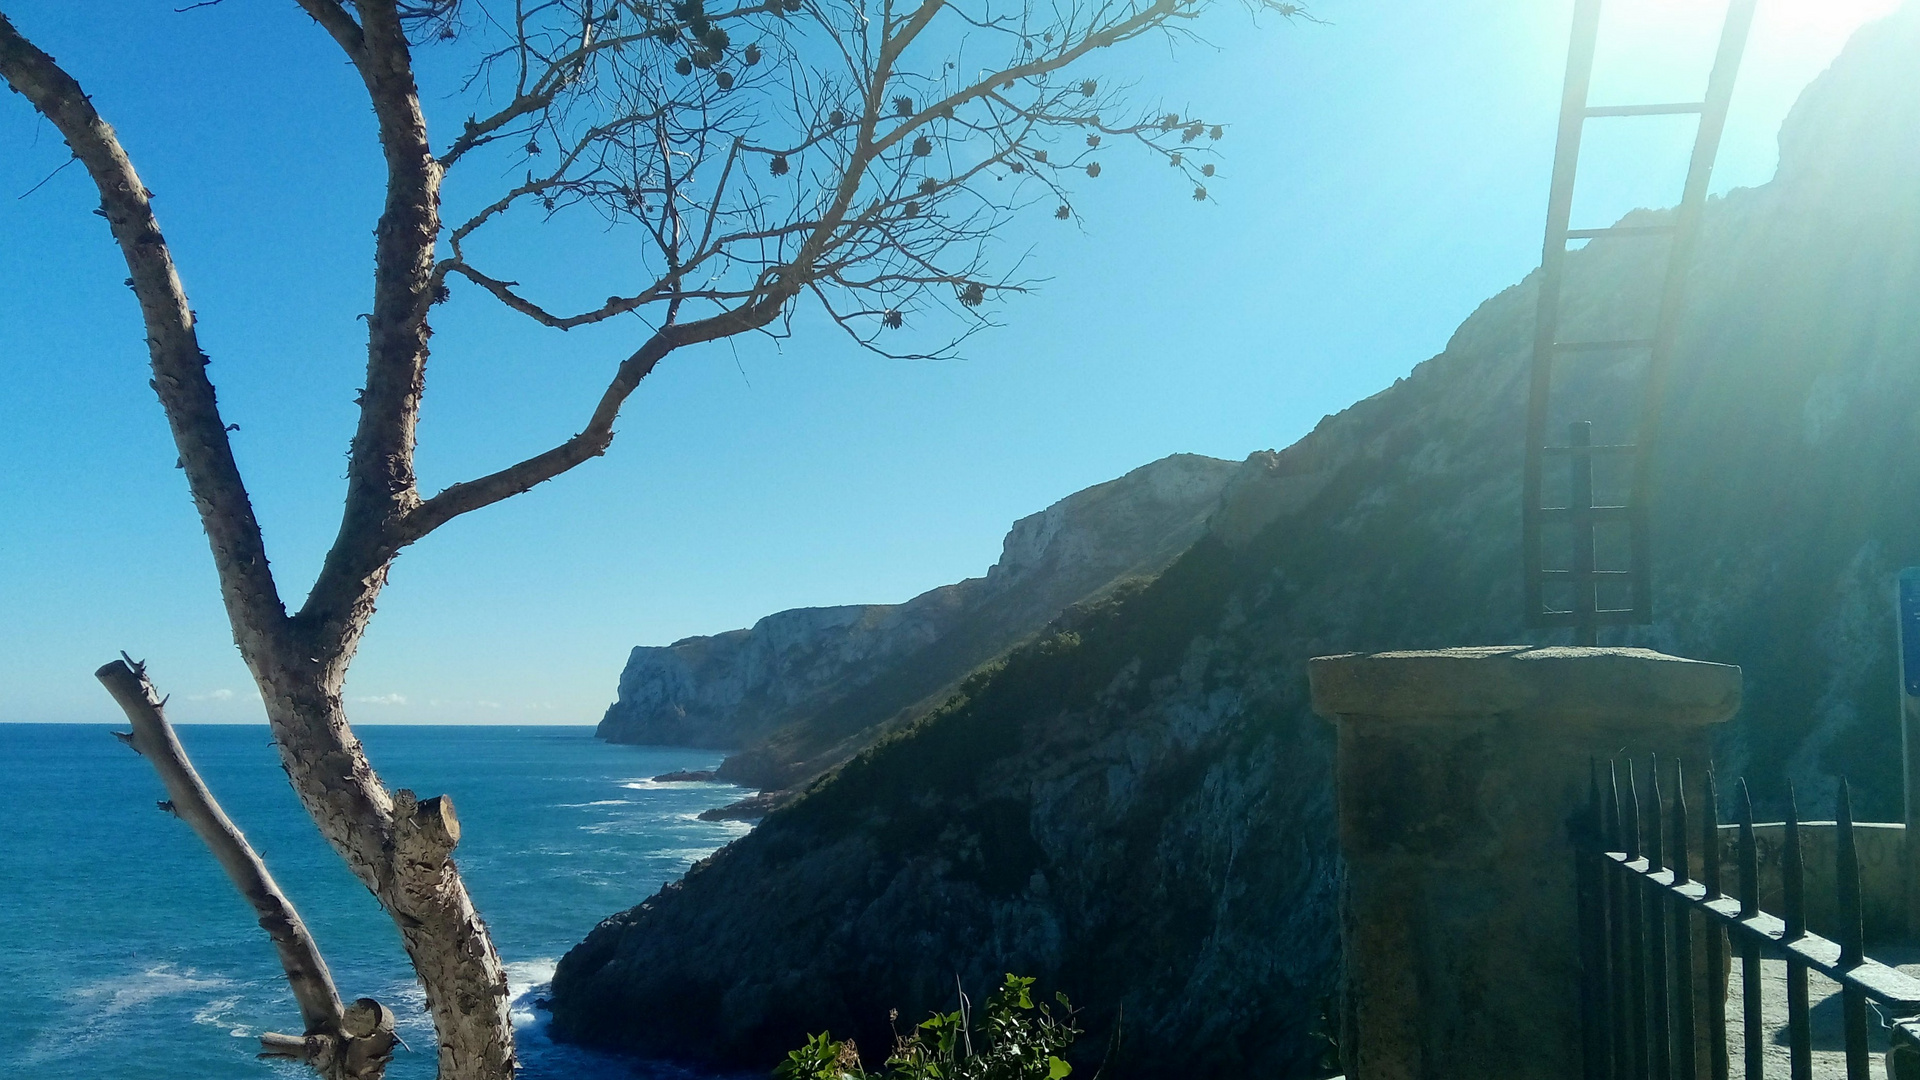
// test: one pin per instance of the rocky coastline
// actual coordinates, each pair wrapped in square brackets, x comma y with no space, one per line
[1135,805]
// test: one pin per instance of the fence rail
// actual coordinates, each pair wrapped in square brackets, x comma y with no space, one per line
[1655,939]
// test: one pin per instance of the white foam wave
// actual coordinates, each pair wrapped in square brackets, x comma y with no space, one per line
[98,1010]
[527,975]
[527,983]
[125,992]
[214,1014]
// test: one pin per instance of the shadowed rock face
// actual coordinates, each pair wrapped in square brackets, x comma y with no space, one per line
[1136,807]
[804,690]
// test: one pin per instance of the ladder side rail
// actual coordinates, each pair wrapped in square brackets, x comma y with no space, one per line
[1553,256]
[1686,235]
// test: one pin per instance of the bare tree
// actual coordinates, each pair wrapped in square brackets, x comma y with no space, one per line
[861,154]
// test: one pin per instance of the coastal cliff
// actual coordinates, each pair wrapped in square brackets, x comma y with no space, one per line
[1136,806]
[804,690]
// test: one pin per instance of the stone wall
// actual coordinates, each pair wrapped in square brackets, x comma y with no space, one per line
[1881,847]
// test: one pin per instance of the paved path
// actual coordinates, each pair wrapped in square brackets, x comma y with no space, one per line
[1829,1040]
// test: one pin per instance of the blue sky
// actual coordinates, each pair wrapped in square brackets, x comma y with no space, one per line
[1382,174]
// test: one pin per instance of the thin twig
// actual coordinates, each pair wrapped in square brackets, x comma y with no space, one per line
[48,178]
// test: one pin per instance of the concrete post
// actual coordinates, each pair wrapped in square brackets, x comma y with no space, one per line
[1458,774]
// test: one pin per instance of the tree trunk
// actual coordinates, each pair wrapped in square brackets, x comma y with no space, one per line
[399,846]
[396,845]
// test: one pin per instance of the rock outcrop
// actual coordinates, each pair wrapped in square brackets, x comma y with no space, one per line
[804,690]
[1136,806]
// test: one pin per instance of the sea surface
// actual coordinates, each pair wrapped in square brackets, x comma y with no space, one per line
[124,952]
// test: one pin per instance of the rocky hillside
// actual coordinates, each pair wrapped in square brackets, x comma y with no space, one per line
[1136,807]
[804,690]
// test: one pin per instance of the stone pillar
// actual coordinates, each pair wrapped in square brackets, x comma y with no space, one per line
[1459,772]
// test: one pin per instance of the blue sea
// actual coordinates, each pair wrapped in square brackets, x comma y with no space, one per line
[124,953]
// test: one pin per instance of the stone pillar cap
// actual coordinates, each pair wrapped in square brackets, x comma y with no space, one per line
[1638,687]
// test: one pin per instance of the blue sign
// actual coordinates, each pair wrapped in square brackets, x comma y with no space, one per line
[1909,613]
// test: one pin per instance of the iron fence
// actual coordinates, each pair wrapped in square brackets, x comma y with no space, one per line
[1657,941]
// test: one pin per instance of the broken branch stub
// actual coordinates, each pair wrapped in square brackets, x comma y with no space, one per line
[352,1042]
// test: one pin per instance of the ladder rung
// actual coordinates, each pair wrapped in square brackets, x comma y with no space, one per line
[1619,230]
[1603,448]
[1603,346]
[1556,574]
[1676,108]
[1598,513]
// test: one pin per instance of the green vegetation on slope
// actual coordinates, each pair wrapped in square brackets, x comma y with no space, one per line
[1137,807]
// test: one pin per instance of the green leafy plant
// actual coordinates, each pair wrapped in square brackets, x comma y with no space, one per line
[1018,1039]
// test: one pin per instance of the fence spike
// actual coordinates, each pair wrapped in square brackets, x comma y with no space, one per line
[1846,858]
[1710,838]
[1632,814]
[1680,860]
[1621,949]
[1716,934]
[1617,831]
[1751,1008]
[1793,873]
[1659,973]
[1749,857]
[1682,917]
[1792,885]
[1656,829]
[1595,998]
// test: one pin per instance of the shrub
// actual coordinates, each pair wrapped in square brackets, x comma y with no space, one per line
[1018,1040]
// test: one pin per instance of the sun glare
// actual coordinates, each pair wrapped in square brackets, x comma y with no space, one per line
[1649,44]
[1661,50]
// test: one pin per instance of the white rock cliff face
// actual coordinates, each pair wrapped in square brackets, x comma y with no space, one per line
[1138,809]
[733,689]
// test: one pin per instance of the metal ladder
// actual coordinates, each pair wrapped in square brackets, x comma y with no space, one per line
[1586,616]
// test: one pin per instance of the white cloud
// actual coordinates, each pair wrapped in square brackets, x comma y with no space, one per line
[222,694]
[382,699]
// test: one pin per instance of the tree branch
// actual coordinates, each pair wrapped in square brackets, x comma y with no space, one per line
[380,476]
[173,347]
[334,19]
[350,1043]
[593,440]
